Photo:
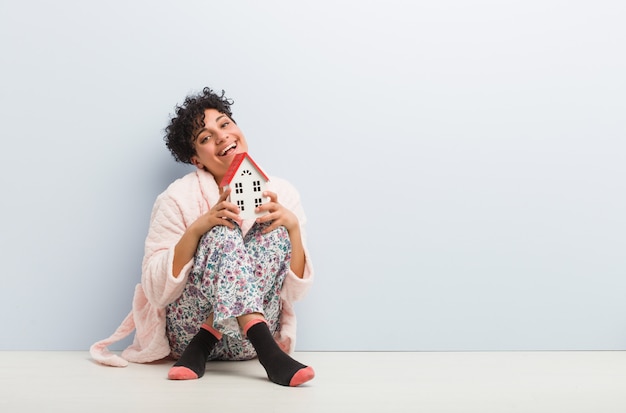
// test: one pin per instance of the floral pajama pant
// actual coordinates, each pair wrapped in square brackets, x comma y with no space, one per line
[232,275]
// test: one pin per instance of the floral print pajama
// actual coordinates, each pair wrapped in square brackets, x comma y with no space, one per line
[232,275]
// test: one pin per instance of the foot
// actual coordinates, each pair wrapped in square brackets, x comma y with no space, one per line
[192,362]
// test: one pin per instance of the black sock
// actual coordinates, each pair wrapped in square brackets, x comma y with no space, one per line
[194,357]
[280,368]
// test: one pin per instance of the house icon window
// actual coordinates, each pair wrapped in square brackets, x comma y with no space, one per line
[248,182]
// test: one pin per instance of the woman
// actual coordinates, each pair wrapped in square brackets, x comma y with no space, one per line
[215,286]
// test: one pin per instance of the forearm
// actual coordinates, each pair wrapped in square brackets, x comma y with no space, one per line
[297,252]
[185,249]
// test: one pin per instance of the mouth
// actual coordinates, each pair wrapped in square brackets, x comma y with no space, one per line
[228,150]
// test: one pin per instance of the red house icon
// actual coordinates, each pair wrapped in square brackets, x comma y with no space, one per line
[247,182]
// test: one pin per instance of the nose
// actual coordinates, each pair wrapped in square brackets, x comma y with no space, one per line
[221,138]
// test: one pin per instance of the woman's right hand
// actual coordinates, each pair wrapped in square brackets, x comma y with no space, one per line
[222,213]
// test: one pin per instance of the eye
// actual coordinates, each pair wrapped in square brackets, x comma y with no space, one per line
[225,124]
[205,139]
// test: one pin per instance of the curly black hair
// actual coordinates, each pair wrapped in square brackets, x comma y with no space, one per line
[189,117]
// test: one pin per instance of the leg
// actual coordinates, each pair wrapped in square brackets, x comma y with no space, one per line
[220,268]
[279,366]
[241,294]
[192,363]
[271,254]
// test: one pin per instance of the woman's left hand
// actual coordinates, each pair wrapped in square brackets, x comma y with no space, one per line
[277,214]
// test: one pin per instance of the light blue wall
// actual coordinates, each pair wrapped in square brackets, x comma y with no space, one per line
[462,163]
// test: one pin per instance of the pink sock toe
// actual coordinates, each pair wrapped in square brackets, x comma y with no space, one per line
[302,376]
[182,373]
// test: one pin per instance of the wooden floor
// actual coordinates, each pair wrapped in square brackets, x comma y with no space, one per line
[525,382]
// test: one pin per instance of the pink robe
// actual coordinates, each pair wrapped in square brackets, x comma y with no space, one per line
[175,209]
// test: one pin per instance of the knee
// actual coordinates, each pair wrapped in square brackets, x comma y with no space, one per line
[279,236]
[220,231]
[218,236]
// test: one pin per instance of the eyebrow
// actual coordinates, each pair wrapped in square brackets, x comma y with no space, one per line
[197,135]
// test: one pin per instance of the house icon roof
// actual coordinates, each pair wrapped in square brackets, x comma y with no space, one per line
[234,167]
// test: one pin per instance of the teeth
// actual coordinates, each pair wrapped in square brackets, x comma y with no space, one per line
[232,145]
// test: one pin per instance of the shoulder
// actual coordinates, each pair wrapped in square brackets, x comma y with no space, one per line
[192,194]
[182,191]
[182,185]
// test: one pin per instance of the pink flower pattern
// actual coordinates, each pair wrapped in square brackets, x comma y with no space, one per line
[232,275]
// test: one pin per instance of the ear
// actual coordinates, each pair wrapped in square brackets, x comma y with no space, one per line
[196,162]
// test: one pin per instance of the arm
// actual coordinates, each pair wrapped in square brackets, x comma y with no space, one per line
[171,245]
[285,209]
[298,258]
[167,226]
[220,214]
[279,215]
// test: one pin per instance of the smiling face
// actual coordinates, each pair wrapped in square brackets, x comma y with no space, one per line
[217,143]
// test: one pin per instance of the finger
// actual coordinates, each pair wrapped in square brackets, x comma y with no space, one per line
[269,206]
[270,217]
[223,207]
[271,227]
[229,221]
[229,206]
[263,209]
[224,195]
[229,214]
[269,209]
[271,195]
